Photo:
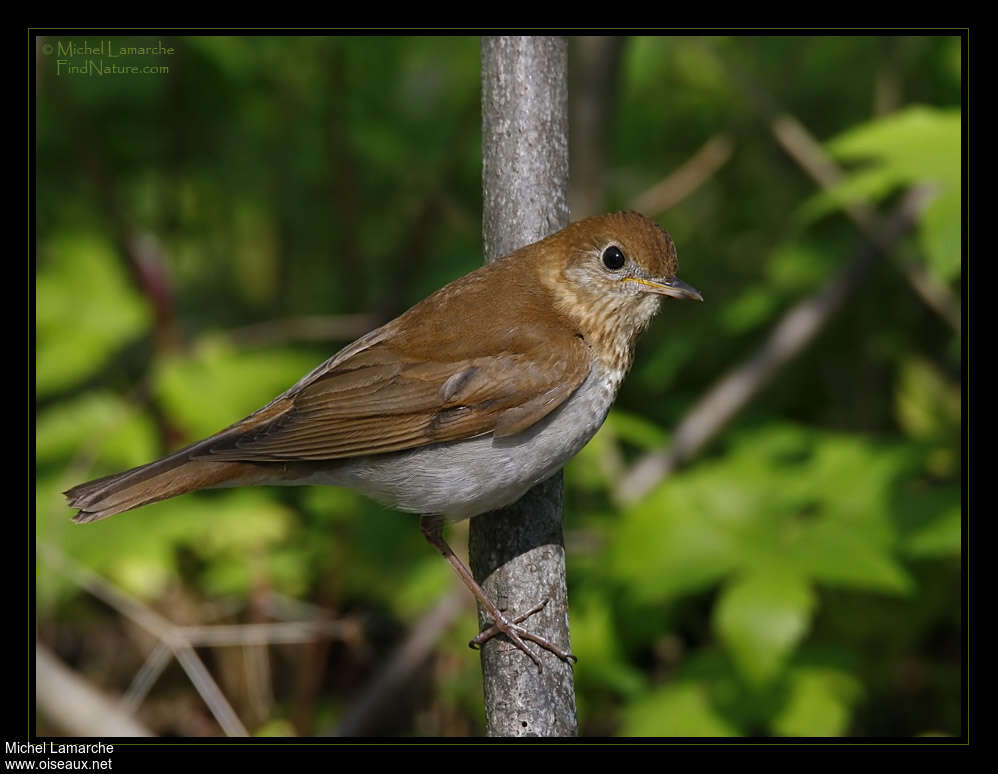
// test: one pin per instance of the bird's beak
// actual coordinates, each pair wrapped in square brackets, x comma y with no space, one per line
[675,288]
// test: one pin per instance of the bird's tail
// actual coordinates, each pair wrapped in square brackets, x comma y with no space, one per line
[174,475]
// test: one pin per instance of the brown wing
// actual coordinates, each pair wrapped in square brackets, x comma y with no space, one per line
[376,401]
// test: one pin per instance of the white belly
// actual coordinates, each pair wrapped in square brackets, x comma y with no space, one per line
[466,478]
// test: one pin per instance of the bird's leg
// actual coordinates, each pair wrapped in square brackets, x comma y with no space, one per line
[432,527]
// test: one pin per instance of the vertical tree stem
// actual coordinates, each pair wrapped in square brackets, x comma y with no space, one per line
[517,554]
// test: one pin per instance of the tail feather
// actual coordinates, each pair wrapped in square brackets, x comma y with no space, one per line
[186,470]
[160,480]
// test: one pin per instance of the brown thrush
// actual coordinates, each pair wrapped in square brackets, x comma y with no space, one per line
[458,406]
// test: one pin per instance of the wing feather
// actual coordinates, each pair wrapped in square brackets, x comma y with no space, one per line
[376,401]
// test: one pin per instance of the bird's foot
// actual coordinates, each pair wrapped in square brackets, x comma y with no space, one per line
[517,634]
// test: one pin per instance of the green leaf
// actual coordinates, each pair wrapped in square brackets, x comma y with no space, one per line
[753,307]
[820,702]
[827,507]
[85,310]
[596,642]
[671,544]
[276,727]
[681,709]
[941,536]
[798,266]
[138,550]
[100,424]
[592,468]
[918,145]
[840,554]
[386,553]
[762,617]
[636,429]
[218,385]
[940,233]
[927,404]
[426,582]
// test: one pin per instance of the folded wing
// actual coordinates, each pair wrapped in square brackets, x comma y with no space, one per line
[375,401]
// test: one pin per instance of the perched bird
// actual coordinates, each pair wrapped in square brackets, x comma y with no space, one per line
[457,407]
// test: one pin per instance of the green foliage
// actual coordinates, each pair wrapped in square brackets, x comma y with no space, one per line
[799,578]
[99,424]
[820,702]
[216,381]
[595,641]
[684,708]
[140,552]
[928,407]
[917,145]
[85,310]
[762,618]
[775,500]
[767,525]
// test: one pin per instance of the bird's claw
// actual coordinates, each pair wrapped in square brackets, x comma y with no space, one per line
[517,634]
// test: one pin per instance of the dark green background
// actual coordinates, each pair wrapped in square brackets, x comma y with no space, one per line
[800,577]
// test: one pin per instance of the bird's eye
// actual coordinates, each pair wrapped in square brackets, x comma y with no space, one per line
[613,259]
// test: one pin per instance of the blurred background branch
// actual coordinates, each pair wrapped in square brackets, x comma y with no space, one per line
[681,182]
[76,707]
[807,152]
[176,641]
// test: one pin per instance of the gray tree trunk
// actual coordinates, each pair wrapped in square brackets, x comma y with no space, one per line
[517,554]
